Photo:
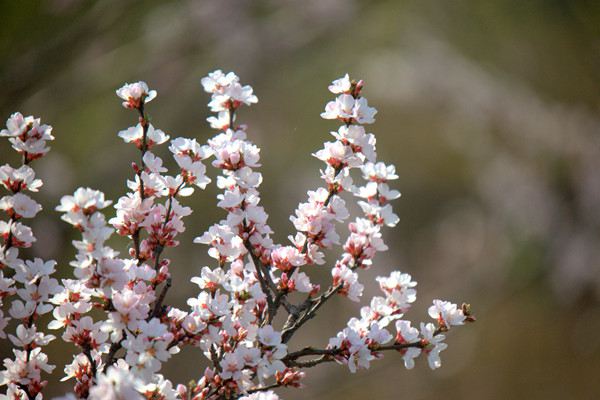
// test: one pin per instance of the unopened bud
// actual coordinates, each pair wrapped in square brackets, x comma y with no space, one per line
[466,309]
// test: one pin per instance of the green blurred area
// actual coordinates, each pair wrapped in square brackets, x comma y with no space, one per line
[488,109]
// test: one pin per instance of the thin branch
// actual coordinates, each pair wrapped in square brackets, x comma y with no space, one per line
[262,280]
[311,305]
[328,355]
[144,147]
[161,298]
[112,352]
[264,388]
[311,363]
[281,295]
[158,252]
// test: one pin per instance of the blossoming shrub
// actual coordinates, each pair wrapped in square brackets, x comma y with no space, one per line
[232,319]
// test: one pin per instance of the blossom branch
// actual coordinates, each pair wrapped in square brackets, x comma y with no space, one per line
[143,148]
[30,280]
[232,319]
[309,307]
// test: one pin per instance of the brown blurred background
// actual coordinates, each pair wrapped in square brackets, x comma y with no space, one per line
[489,109]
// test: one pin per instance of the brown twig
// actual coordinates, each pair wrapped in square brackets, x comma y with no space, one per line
[161,298]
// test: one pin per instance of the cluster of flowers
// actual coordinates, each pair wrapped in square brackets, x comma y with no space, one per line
[27,284]
[232,318]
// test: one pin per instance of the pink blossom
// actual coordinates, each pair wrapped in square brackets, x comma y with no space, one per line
[135,94]
[233,319]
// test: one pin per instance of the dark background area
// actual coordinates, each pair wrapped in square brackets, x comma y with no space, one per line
[488,109]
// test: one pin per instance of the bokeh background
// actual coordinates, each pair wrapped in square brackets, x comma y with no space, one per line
[489,110]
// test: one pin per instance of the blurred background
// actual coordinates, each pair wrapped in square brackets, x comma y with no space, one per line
[488,109]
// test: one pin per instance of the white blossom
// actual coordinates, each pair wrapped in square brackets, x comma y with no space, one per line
[448,313]
[121,346]
[135,94]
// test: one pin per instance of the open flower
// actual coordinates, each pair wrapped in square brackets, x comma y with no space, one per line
[136,94]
